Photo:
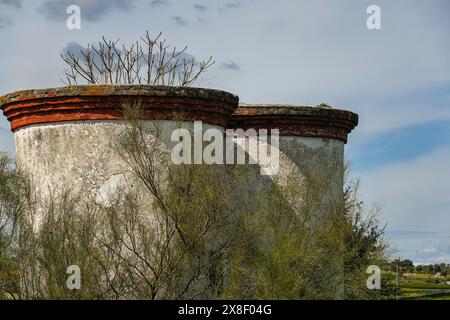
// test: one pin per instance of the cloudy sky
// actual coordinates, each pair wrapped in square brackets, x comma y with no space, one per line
[292,51]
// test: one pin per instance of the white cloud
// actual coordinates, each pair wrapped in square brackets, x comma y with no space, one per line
[158,3]
[434,251]
[14,3]
[414,194]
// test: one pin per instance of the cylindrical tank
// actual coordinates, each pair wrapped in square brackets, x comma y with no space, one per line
[308,179]
[63,135]
[311,144]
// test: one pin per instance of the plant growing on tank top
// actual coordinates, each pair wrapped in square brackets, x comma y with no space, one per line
[148,61]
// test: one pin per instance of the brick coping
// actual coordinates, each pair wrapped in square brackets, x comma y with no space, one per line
[295,120]
[105,102]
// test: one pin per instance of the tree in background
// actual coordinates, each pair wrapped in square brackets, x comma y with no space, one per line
[291,254]
[11,205]
[364,242]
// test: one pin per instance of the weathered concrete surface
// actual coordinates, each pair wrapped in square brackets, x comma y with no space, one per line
[306,165]
[311,168]
[64,135]
[311,145]
[81,155]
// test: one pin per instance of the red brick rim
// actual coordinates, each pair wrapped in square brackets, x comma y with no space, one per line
[296,120]
[104,102]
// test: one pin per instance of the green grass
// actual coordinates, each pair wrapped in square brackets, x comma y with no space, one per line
[423,287]
[447,297]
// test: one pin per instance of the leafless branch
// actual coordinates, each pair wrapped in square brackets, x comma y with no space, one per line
[147,61]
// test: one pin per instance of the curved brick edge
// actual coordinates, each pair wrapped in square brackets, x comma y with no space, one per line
[296,120]
[105,102]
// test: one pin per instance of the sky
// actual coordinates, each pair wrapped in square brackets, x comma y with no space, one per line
[298,52]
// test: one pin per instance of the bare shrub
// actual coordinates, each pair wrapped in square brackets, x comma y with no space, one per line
[150,60]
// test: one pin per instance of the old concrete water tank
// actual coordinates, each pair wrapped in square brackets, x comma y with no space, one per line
[63,135]
[311,143]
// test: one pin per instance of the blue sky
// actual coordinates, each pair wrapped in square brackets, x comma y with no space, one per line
[291,51]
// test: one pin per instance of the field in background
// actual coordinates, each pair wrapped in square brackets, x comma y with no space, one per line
[424,287]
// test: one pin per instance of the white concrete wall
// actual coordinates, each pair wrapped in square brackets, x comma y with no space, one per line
[320,159]
[80,155]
